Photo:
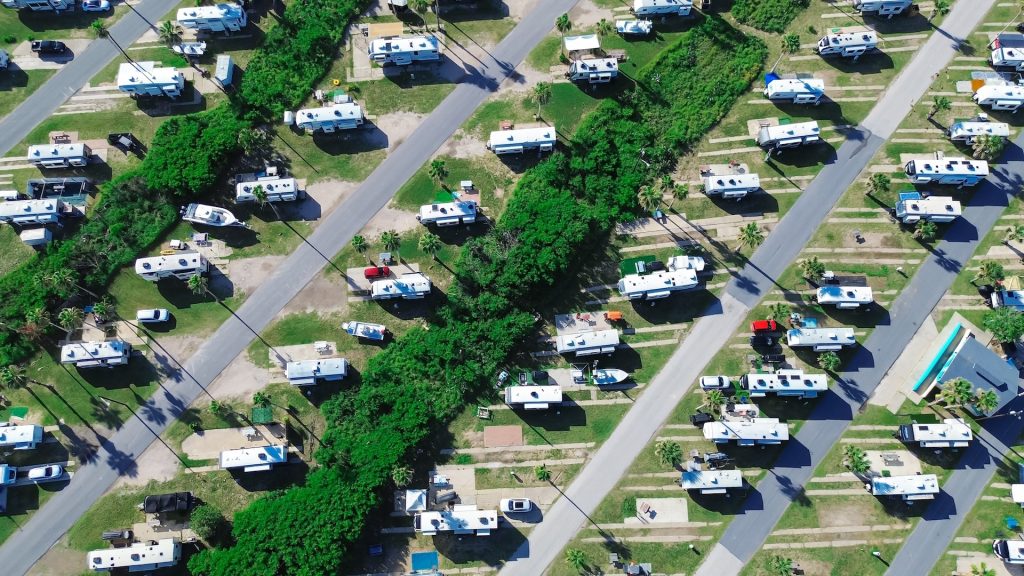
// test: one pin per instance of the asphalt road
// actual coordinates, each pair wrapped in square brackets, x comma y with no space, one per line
[717,323]
[74,75]
[116,455]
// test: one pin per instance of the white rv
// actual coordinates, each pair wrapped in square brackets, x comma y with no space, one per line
[217,18]
[20,437]
[656,285]
[593,70]
[634,27]
[461,519]
[887,8]
[448,213]
[750,432]
[146,79]
[341,116]
[533,397]
[786,382]
[967,131]
[310,372]
[907,488]
[795,90]
[789,135]
[106,354]
[844,297]
[139,557]
[181,266]
[729,180]
[711,481]
[35,236]
[847,44]
[1009,97]
[522,139]
[412,286]
[404,51]
[950,433]
[30,212]
[662,7]
[276,189]
[1008,52]
[40,5]
[588,343]
[59,155]
[821,339]
[952,171]
[911,210]
[259,459]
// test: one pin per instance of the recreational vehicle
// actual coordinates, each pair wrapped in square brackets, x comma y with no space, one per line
[448,213]
[533,397]
[106,354]
[593,70]
[821,339]
[20,436]
[31,212]
[222,17]
[146,79]
[844,297]
[908,488]
[520,140]
[967,131]
[950,171]
[276,189]
[259,459]
[588,343]
[1009,551]
[786,382]
[1008,51]
[404,51]
[847,44]
[794,90]
[789,135]
[729,180]
[911,208]
[181,266]
[40,5]
[708,482]
[662,7]
[887,8]
[310,372]
[750,432]
[656,285]
[1009,97]
[950,433]
[139,557]
[412,286]
[339,116]
[461,519]
[59,155]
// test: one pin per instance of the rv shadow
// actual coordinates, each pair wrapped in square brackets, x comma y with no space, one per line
[494,550]
[803,157]
[871,63]
[520,163]
[558,418]
[760,202]
[869,316]
[827,110]
[787,409]
[365,139]
[763,457]
[41,21]
[901,24]
[681,306]
[731,504]
[277,478]
[14,78]
[455,12]
[411,309]
[96,171]
[138,372]
[22,500]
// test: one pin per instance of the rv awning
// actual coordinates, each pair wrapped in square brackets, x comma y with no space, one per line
[1007,103]
[447,221]
[536,406]
[260,468]
[789,142]
[580,43]
[658,294]
[509,150]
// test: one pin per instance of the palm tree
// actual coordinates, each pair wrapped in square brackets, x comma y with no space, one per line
[542,473]
[263,200]
[430,244]
[714,400]
[99,28]
[829,361]
[391,241]
[879,184]
[791,43]
[438,172]
[541,93]
[199,285]
[70,318]
[170,32]
[751,235]
[605,28]
[63,281]
[37,321]
[218,408]
[956,392]
[778,312]
[813,269]
[563,24]
[420,7]
[780,566]
[253,141]
[261,399]
[985,401]
[989,272]
[669,453]
[649,198]
[361,245]
[926,231]
[576,559]
[856,459]
[982,570]
[13,377]
[988,147]
[104,309]
[939,104]
[1015,234]
[401,475]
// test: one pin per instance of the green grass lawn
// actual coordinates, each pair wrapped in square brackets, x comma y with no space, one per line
[16,86]
[488,174]
[13,252]
[25,25]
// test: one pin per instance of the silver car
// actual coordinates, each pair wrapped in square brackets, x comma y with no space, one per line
[152,315]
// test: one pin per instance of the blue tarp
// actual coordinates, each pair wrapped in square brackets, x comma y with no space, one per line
[770,77]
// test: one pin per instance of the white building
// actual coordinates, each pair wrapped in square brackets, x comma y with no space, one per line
[662,7]
[711,481]
[412,286]
[146,79]
[276,189]
[448,213]
[1008,97]
[59,155]
[35,236]
[908,488]
[952,171]
[593,70]
[940,209]
[584,44]
[1008,51]
[634,27]
[533,397]
[24,437]
[950,433]
[259,459]
[887,8]
[106,354]
[217,18]
[522,139]
[29,212]
[753,432]
[181,266]
[795,90]
[340,116]
[789,135]
[845,297]
[729,181]
[40,5]
[821,339]
[462,519]
[967,131]
[655,285]
[788,382]
[588,343]
[139,557]
[847,44]
[404,51]
[309,372]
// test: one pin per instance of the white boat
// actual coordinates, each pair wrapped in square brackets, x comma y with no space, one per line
[636,27]
[209,215]
[608,376]
[365,330]
[190,48]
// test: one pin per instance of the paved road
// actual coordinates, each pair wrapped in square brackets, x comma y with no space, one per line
[70,79]
[716,325]
[117,454]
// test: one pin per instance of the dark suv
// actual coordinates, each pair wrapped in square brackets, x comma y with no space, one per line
[48,47]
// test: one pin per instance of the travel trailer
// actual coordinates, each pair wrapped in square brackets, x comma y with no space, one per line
[181,266]
[729,180]
[517,141]
[448,213]
[946,170]
[404,51]
[1008,51]
[52,156]
[789,135]
[887,8]
[1008,97]
[147,79]
[223,17]
[794,90]
[662,7]
[911,208]
[847,43]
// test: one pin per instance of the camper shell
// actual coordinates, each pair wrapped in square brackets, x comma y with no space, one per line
[793,90]
[748,432]
[56,6]
[337,116]
[149,79]
[847,43]
[657,285]
[911,208]
[729,180]
[786,382]
[310,372]
[412,286]
[106,354]
[950,433]
[259,459]
[907,488]
[31,212]
[533,397]
[946,170]
[448,213]
[593,70]
[1008,97]
[789,135]
[20,437]
[634,27]
[1007,51]
[222,17]
[967,131]
[59,155]
[460,519]
[708,482]
[277,189]
[139,557]
[181,266]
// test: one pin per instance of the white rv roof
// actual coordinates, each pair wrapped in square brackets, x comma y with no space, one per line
[335,112]
[400,45]
[657,281]
[448,210]
[911,485]
[11,435]
[83,351]
[931,206]
[580,43]
[711,479]
[951,429]
[1015,549]
[587,340]
[169,263]
[718,183]
[215,12]
[318,368]
[459,520]
[1000,92]
[798,130]
[414,283]
[259,456]
[56,151]
[270,186]
[786,381]
[796,85]
[597,64]
[820,336]
[533,394]
[23,208]
[858,38]
[950,166]
[638,4]
[166,551]
[833,294]
[756,429]
[522,136]
[964,129]
[146,74]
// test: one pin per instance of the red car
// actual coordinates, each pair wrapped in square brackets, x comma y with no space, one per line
[374,272]
[763,326]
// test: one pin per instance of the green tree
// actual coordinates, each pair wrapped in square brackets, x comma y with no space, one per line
[205,521]
[1005,324]
[430,244]
[856,459]
[99,28]
[670,453]
[170,32]
[254,142]
[542,473]
[13,377]
[751,235]
[829,361]
[680,191]
[401,476]
[605,28]
[261,399]
[982,570]
[420,7]
[941,7]
[985,401]
[70,319]
[391,241]
[438,172]
[939,104]
[198,285]
[879,184]
[954,393]
[360,245]
[988,147]
[104,309]
[649,198]
[576,559]
[563,24]
[541,95]
[37,322]
[1015,233]
[218,408]
[65,283]
[791,43]
[926,231]
[714,400]
[813,269]
[989,272]
[778,312]
[780,566]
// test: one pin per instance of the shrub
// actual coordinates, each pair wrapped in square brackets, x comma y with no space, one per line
[10,39]
[205,521]
[767,15]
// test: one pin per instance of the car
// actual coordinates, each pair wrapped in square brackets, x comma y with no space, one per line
[95,5]
[48,47]
[773,358]
[150,315]
[761,326]
[45,472]
[374,272]
[508,505]
[715,383]
[700,419]
[762,341]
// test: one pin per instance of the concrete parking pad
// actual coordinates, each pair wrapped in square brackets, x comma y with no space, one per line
[208,444]
[910,463]
[659,511]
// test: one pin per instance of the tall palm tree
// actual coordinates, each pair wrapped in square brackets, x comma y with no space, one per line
[605,28]
[576,559]
[263,200]
[199,285]
[649,198]
[438,172]
[989,272]
[261,399]
[985,401]
[670,453]
[751,235]
[714,400]
[542,473]
[856,459]
[401,475]
[14,377]
[104,308]
[430,244]
[939,104]
[170,32]
[813,269]
[879,184]
[778,312]
[420,7]
[64,282]
[99,28]
[392,242]
[982,570]
[541,93]
[780,566]
[361,245]
[957,392]
[988,147]
[70,319]
[37,321]
[563,24]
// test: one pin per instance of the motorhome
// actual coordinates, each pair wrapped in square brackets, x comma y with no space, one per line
[460,519]
[1008,97]
[105,354]
[656,285]
[821,339]
[911,208]
[888,8]
[967,131]
[337,116]
[634,27]
[794,90]
[412,286]
[908,488]
[1008,51]
[310,372]
[181,266]
[223,17]
[1009,551]
[404,51]
[20,436]
[448,213]
[588,343]
[844,297]
[258,459]
[276,188]
[51,156]
[662,7]
[751,432]
[950,433]
[946,170]
[149,79]
[533,397]
[40,5]
[729,180]
[139,557]
[847,43]
[593,70]
[789,135]
[31,212]
[708,482]
[519,140]
[785,382]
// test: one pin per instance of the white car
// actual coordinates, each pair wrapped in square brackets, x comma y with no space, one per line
[151,315]
[95,5]
[45,472]
[508,505]
[715,383]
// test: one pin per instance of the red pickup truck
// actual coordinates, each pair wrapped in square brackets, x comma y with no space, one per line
[374,272]
[764,326]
